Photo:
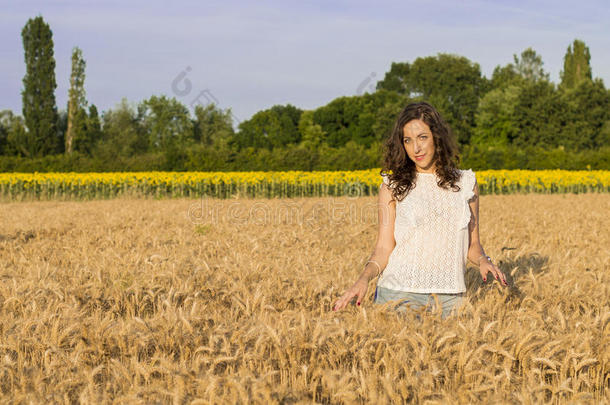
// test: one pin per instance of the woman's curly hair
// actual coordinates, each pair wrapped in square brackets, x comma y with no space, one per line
[403,168]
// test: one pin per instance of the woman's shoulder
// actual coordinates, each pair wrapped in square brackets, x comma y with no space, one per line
[385,177]
[467,175]
[467,181]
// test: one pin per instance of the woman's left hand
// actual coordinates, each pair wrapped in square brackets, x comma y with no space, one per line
[487,266]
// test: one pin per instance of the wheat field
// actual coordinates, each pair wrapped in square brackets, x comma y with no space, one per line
[229,301]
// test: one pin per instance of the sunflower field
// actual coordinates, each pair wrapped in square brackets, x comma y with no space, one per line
[281,184]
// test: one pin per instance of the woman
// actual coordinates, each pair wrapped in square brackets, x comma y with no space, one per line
[428,219]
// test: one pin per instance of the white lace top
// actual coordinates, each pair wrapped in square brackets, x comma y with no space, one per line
[431,233]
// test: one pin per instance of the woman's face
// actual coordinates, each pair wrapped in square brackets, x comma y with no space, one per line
[419,145]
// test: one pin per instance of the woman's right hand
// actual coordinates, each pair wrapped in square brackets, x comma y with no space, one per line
[357,290]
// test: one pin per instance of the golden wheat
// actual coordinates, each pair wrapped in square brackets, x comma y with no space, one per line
[229,301]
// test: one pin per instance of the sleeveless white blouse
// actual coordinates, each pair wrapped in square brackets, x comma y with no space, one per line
[431,233]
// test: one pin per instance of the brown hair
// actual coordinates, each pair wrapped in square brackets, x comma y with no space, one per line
[403,168]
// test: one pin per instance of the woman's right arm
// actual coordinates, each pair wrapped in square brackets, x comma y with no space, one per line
[383,248]
[385,235]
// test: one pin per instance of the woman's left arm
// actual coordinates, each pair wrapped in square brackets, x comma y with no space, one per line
[476,254]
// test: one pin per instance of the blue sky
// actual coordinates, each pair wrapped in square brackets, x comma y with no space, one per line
[249,56]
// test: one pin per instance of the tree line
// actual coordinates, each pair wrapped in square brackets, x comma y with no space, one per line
[517,118]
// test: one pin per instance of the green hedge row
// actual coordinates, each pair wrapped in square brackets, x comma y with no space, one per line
[295,157]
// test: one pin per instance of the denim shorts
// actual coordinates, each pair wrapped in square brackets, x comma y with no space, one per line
[405,299]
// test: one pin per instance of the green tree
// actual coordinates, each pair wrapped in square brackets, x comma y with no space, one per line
[289,118]
[12,131]
[4,130]
[271,128]
[38,95]
[62,127]
[576,65]
[340,119]
[76,135]
[603,138]
[312,134]
[504,76]
[212,125]
[526,67]
[398,79]
[452,83]
[387,106]
[529,66]
[258,131]
[537,115]
[351,156]
[522,108]
[123,134]
[169,129]
[167,122]
[364,119]
[496,123]
[94,129]
[586,109]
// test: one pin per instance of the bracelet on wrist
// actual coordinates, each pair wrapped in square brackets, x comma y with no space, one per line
[375,263]
[486,258]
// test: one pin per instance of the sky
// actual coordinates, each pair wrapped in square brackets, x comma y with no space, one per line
[251,55]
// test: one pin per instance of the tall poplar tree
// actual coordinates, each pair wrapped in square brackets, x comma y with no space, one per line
[38,94]
[76,133]
[576,65]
